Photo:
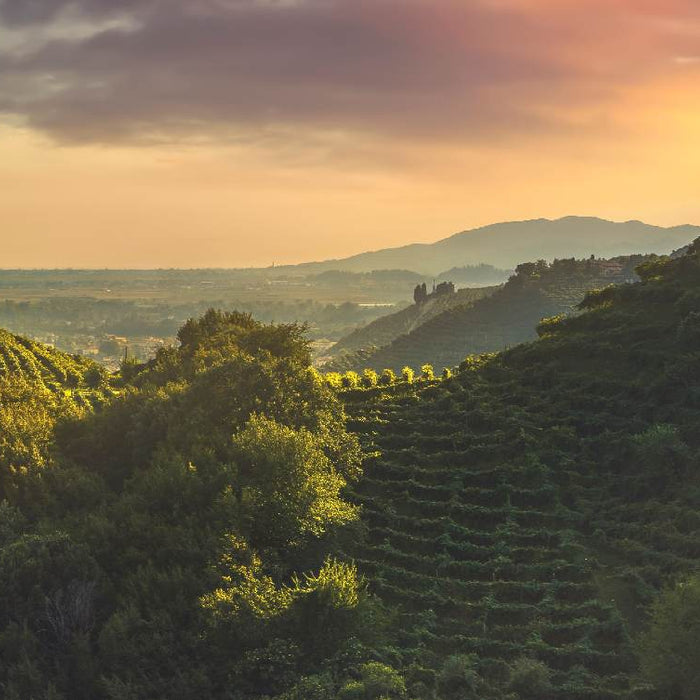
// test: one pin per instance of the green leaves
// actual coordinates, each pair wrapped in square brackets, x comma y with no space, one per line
[670,649]
[289,488]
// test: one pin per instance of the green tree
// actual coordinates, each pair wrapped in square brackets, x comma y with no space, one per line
[289,488]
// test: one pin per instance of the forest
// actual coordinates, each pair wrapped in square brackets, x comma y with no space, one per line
[224,521]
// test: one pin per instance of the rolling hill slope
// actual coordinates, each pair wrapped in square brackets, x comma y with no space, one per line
[530,509]
[507,244]
[505,318]
[386,329]
[69,375]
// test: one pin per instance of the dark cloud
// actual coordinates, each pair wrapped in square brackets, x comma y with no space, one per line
[233,68]
[22,13]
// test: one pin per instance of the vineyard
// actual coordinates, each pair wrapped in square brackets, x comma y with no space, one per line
[386,329]
[503,319]
[529,509]
[81,379]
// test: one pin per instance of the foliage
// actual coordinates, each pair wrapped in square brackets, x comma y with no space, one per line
[195,533]
[407,374]
[377,682]
[288,486]
[458,677]
[388,377]
[427,372]
[152,538]
[442,329]
[530,678]
[670,648]
[529,508]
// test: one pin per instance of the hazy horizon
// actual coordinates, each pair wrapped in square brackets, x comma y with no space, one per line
[241,134]
[293,263]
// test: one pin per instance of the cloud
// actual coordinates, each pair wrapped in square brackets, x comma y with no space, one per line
[162,70]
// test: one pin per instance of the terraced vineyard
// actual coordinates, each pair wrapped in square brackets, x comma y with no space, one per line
[503,319]
[478,552]
[534,505]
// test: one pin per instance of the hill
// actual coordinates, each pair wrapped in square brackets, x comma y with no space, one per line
[42,365]
[385,329]
[502,319]
[524,515]
[211,531]
[507,244]
[39,388]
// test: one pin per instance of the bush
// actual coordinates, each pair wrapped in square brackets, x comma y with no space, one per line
[388,377]
[670,649]
[663,456]
[312,688]
[351,380]
[271,669]
[530,678]
[369,378]
[334,380]
[427,372]
[95,377]
[689,330]
[458,676]
[376,681]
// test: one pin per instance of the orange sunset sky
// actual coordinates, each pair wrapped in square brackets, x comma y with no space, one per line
[228,133]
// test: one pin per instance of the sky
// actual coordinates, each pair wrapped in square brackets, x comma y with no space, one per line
[232,133]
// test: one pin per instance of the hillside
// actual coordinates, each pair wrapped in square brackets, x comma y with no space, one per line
[212,531]
[27,360]
[385,329]
[505,318]
[528,511]
[507,244]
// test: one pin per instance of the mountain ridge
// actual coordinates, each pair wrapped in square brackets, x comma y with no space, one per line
[569,236]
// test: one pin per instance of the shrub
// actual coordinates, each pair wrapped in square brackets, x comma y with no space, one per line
[663,456]
[351,380]
[369,378]
[458,676]
[388,377]
[407,374]
[530,678]
[549,325]
[689,330]
[376,681]
[312,688]
[427,372]
[334,380]
[270,669]
[670,649]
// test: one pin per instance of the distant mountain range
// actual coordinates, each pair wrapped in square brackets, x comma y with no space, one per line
[505,245]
